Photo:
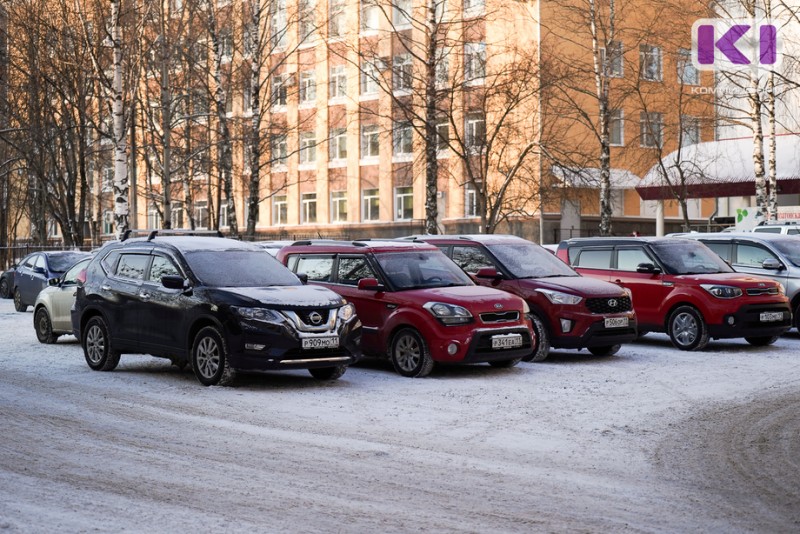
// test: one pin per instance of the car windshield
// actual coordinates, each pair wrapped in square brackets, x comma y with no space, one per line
[239,268]
[684,256]
[61,262]
[790,249]
[528,260]
[421,269]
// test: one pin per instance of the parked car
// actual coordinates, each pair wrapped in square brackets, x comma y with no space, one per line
[7,282]
[51,311]
[218,304]
[273,246]
[416,305]
[683,288]
[785,229]
[568,310]
[36,270]
[775,256]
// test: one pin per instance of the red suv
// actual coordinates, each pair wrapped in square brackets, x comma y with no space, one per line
[416,306]
[683,288]
[568,310]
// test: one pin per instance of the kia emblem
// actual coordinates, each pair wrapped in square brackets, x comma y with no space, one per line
[612,303]
[498,306]
[315,318]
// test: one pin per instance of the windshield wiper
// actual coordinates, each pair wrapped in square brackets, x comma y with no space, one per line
[547,276]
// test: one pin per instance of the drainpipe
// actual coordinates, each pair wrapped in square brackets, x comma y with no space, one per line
[711,217]
[660,218]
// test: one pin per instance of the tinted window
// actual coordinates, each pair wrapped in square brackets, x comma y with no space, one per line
[239,268]
[723,250]
[793,231]
[594,259]
[528,260]
[110,261]
[353,269]
[628,259]
[411,270]
[162,267]
[790,250]
[768,230]
[62,262]
[752,255]
[132,266]
[318,268]
[471,259]
[684,256]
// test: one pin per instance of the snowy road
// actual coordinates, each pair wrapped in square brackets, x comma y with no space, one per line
[650,440]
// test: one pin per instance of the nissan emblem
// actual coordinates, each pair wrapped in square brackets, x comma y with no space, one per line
[315,318]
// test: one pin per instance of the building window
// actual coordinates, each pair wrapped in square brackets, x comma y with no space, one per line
[475,130]
[280,210]
[201,214]
[176,216]
[616,127]
[308,147]
[247,207]
[401,13]
[225,45]
[337,82]
[153,219]
[369,78]
[402,139]
[279,149]
[339,206]
[370,205]
[403,203]
[612,59]
[308,87]
[474,62]
[650,62]
[278,24]
[336,18]
[279,83]
[370,16]
[308,20]
[223,215]
[474,7]
[52,228]
[107,183]
[247,98]
[308,208]
[690,130]
[338,144]
[402,75]
[687,72]
[439,7]
[470,201]
[108,222]
[442,135]
[370,141]
[442,68]
[651,126]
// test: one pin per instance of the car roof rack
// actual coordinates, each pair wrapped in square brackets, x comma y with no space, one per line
[152,234]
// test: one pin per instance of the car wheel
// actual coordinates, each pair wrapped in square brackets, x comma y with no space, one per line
[5,291]
[686,329]
[797,317]
[210,358]
[608,350]
[761,341]
[410,355]
[18,305]
[328,373]
[505,364]
[43,326]
[542,341]
[97,346]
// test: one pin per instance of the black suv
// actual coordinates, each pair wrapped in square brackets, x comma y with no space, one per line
[219,304]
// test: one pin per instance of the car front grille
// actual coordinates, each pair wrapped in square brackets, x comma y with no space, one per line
[314,318]
[609,305]
[756,291]
[500,317]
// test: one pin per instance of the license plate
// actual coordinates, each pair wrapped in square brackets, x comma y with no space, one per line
[506,341]
[321,343]
[767,317]
[616,322]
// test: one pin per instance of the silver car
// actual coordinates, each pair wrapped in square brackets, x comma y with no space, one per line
[775,256]
[51,312]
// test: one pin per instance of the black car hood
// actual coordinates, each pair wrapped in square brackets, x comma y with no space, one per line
[283,297]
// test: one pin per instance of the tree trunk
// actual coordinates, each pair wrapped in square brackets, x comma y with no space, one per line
[120,160]
[430,140]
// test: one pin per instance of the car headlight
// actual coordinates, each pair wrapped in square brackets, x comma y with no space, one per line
[346,312]
[722,292]
[449,314]
[258,314]
[525,308]
[557,297]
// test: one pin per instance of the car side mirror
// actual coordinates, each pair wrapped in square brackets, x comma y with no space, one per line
[39,270]
[370,284]
[772,264]
[647,268]
[54,282]
[172,281]
[488,272]
[303,278]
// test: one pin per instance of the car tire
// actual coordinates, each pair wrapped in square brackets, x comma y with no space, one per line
[328,373]
[5,291]
[505,364]
[761,341]
[607,350]
[210,358]
[409,354]
[542,350]
[686,329]
[18,305]
[797,317]
[44,326]
[97,346]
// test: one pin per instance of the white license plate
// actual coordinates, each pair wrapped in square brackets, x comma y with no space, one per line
[321,343]
[767,317]
[616,322]
[506,341]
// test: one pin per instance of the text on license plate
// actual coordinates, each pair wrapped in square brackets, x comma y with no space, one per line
[616,322]
[506,341]
[767,317]
[321,343]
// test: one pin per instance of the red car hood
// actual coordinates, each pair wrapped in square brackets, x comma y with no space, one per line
[477,299]
[583,286]
[732,279]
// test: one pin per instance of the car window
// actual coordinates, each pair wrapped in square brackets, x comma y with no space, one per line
[110,261]
[318,268]
[132,266]
[40,261]
[162,266]
[524,259]
[471,259]
[71,276]
[752,255]
[242,268]
[628,259]
[593,258]
[352,269]
[768,230]
[793,231]
[686,256]
[29,261]
[61,262]
[421,269]
[723,250]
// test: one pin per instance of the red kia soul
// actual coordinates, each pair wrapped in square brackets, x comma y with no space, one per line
[683,288]
[416,306]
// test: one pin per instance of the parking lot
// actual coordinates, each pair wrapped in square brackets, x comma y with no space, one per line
[649,440]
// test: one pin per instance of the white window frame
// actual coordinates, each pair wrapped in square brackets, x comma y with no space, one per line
[223,216]
[307,23]
[402,141]
[108,222]
[153,219]
[370,132]
[338,206]
[474,63]
[337,19]
[201,207]
[690,130]
[337,82]
[367,198]
[402,196]
[370,17]
[616,117]
[472,120]
[280,210]
[402,14]
[369,78]
[687,72]
[442,74]
[650,55]
[337,146]
[402,74]
[279,144]
[474,7]
[308,202]
[308,148]
[308,87]
[648,136]
[470,201]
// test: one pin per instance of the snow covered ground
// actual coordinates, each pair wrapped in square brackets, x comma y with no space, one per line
[650,440]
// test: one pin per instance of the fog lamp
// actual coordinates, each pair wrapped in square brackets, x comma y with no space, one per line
[254,346]
[566,325]
[452,348]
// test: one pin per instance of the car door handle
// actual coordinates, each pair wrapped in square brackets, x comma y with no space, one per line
[144,296]
[105,288]
[618,282]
